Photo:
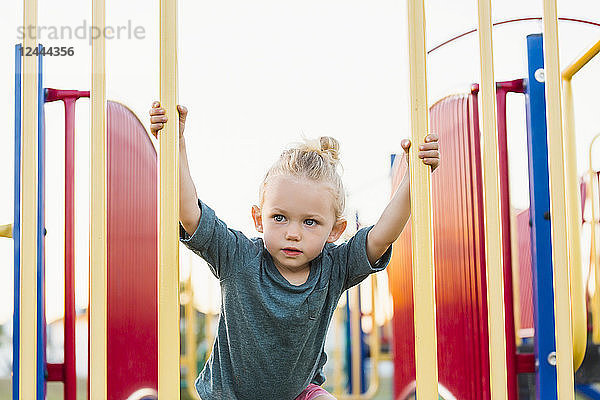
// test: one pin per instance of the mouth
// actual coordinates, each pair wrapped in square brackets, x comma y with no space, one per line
[291,251]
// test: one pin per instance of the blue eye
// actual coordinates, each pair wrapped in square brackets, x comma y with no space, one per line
[279,218]
[311,222]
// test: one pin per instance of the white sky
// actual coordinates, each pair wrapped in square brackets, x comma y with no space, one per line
[257,74]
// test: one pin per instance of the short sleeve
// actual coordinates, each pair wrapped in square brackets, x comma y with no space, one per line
[353,260]
[222,248]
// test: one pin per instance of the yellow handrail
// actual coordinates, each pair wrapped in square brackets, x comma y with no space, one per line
[594,260]
[6,230]
[578,291]
[580,62]
[189,357]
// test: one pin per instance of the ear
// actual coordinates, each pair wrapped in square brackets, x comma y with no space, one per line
[338,228]
[257,217]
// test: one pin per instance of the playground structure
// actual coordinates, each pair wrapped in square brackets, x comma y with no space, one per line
[488,332]
[460,250]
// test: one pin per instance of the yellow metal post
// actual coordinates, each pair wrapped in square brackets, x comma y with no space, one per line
[558,206]
[168,266]
[420,200]
[375,346]
[593,193]
[338,387]
[209,333]
[98,257]
[28,300]
[190,336]
[573,200]
[493,224]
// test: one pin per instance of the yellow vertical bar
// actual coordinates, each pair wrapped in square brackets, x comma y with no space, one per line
[573,199]
[28,300]
[593,193]
[375,342]
[168,266]
[337,354]
[98,280]
[190,329]
[209,333]
[560,259]
[595,301]
[420,200]
[493,224]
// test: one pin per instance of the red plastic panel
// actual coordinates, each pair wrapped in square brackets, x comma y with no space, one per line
[525,282]
[132,256]
[460,261]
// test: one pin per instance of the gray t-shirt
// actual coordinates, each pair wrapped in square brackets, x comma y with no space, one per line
[270,337]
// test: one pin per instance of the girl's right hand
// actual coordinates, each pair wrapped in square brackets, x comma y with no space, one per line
[158,118]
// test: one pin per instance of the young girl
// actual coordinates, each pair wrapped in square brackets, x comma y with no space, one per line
[279,293]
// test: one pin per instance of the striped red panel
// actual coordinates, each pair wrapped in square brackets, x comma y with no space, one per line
[460,261]
[525,283]
[132,256]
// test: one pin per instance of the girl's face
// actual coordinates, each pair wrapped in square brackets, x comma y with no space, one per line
[297,219]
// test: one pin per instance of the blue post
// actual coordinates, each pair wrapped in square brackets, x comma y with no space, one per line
[541,244]
[363,345]
[17,224]
[348,344]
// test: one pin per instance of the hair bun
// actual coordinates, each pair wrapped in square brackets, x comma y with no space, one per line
[330,146]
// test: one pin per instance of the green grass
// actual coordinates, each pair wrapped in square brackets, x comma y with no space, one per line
[55,390]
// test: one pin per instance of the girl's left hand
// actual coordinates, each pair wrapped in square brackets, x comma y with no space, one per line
[428,151]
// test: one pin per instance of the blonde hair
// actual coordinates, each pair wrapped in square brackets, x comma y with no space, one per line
[317,160]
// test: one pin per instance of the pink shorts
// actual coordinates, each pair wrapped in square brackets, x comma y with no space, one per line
[311,392]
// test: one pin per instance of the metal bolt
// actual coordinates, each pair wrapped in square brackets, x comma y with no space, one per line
[552,358]
[540,75]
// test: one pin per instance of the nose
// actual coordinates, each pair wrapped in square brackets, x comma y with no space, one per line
[292,233]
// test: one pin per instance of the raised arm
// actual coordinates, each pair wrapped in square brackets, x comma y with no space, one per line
[396,214]
[189,212]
